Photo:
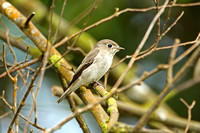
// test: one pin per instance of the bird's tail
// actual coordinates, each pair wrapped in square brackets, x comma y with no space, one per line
[66,93]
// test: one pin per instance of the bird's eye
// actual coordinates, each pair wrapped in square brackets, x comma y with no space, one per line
[109,45]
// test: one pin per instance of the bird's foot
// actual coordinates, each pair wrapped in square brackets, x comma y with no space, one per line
[96,83]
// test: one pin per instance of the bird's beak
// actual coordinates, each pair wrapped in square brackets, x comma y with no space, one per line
[120,48]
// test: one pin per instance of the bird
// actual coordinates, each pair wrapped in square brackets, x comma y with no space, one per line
[94,66]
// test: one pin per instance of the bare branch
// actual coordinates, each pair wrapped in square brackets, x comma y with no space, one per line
[22,102]
[116,14]
[140,46]
[21,66]
[190,107]
[171,59]
[166,90]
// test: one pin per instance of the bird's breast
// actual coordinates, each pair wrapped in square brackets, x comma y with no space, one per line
[103,62]
[98,68]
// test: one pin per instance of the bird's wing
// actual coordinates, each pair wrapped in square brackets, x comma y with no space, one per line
[87,61]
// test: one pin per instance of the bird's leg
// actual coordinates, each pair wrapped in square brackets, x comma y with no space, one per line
[95,83]
[100,90]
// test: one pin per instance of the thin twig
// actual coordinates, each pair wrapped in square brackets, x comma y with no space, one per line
[186,85]
[188,51]
[4,62]
[22,102]
[158,24]
[106,79]
[21,66]
[140,46]
[75,41]
[9,45]
[122,60]
[174,23]
[189,107]
[62,11]
[168,15]
[166,90]
[15,88]
[144,76]
[77,49]
[154,46]
[116,14]
[6,102]
[171,59]
[5,114]
[33,124]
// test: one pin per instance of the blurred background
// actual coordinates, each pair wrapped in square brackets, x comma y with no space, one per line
[127,30]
